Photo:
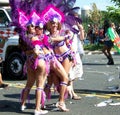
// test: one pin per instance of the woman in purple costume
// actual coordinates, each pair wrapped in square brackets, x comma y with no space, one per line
[55,66]
[36,71]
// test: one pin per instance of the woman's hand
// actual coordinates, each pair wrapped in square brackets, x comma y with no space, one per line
[80,26]
[37,50]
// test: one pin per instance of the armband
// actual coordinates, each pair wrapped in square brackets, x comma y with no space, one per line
[69,45]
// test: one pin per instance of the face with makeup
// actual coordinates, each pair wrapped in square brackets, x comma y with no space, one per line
[39,31]
[31,29]
[54,26]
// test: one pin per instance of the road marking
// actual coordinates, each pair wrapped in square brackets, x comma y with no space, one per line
[102,95]
[101,72]
[93,94]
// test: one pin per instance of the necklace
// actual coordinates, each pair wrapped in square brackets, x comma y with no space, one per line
[55,34]
[30,35]
[40,37]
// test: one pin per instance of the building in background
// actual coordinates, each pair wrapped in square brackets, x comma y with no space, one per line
[85,11]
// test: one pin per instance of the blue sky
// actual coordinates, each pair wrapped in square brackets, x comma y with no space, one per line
[101,4]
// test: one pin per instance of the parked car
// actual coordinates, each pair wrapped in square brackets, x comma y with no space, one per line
[12,59]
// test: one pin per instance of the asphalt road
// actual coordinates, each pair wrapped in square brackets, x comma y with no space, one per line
[100,83]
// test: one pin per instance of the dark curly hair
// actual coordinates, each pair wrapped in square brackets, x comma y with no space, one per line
[106,26]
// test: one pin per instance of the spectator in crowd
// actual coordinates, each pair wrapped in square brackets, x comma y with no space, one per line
[77,46]
[2,84]
[89,34]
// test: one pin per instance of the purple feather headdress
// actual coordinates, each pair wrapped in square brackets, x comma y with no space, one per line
[40,24]
[52,13]
[25,21]
[23,10]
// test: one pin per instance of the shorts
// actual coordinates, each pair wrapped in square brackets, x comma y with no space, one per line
[109,43]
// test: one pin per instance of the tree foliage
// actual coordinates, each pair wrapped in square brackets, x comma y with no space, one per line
[114,14]
[97,17]
[95,14]
[117,2]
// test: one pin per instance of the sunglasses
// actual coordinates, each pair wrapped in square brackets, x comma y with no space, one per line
[37,27]
[32,25]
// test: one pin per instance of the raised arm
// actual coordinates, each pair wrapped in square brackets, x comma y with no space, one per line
[81,30]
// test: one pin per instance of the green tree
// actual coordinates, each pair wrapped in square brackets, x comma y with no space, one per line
[95,15]
[114,14]
[117,2]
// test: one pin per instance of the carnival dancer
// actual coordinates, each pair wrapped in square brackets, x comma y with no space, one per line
[64,55]
[108,44]
[36,70]
[47,8]
[55,66]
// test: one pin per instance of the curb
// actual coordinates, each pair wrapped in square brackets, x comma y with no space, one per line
[99,52]
[93,52]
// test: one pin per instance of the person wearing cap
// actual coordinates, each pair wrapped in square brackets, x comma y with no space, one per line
[77,46]
[78,38]
[36,70]
[74,72]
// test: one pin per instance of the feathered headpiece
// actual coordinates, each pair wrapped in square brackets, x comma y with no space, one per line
[39,24]
[23,11]
[52,13]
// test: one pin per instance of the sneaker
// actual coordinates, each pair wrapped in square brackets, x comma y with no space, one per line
[23,107]
[41,112]
[3,85]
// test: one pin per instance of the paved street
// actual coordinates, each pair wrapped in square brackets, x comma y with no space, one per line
[100,83]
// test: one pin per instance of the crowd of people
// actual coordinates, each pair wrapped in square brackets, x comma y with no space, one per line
[104,36]
[95,34]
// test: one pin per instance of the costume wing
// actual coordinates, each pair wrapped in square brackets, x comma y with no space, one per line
[115,38]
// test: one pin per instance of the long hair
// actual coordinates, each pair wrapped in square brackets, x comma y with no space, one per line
[106,26]
[49,23]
